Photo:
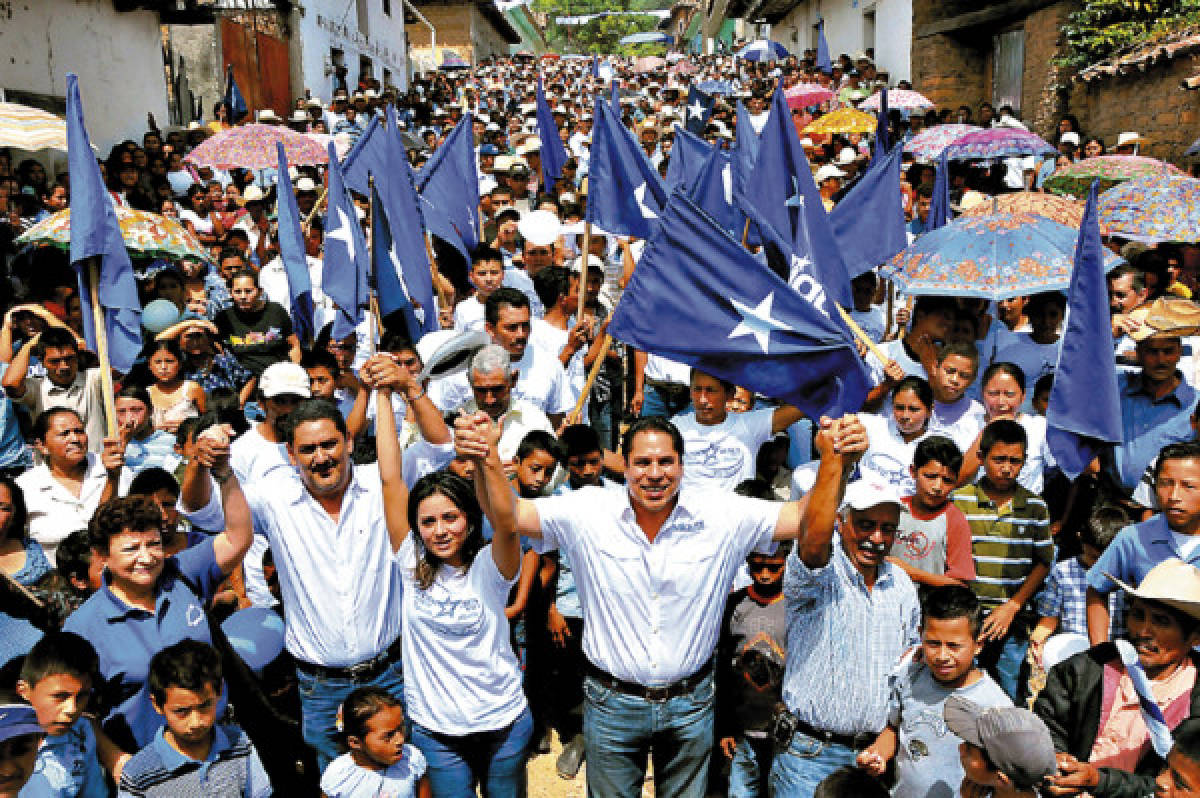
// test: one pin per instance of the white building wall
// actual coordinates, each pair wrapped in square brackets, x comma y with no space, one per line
[327,24]
[117,56]
[847,30]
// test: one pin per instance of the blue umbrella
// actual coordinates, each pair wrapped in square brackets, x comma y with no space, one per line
[993,256]
[762,50]
[722,87]
[645,37]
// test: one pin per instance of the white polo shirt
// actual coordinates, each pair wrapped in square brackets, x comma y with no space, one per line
[468,315]
[959,421]
[54,513]
[340,583]
[720,456]
[654,610]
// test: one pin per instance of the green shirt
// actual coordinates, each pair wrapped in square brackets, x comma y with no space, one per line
[1007,541]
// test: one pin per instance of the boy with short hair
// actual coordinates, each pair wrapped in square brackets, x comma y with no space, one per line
[56,680]
[1036,352]
[486,275]
[1180,777]
[927,761]
[955,414]
[751,654]
[1007,750]
[1010,538]
[933,540]
[191,754]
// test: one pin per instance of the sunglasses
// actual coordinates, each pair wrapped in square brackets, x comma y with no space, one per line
[755,566]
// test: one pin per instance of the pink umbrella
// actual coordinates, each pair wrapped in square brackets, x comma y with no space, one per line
[683,68]
[803,95]
[929,143]
[649,63]
[253,147]
[900,99]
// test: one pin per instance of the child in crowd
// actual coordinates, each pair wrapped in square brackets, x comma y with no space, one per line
[80,566]
[1005,750]
[933,540]
[850,782]
[185,684]
[1180,778]
[1062,604]
[955,414]
[378,761]
[751,654]
[20,736]
[327,381]
[927,761]
[56,679]
[1010,537]
[486,275]
[173,398]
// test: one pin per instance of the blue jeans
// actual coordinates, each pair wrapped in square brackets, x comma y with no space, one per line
[494,759]
[796,772]
[1005,661]
[749,772]
[321,698]
[655,403]
[620,730]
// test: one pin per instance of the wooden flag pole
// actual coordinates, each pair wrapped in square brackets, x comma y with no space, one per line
[891,307]
[316,208]
[584,262]
[862,336]
[435,274]
[374,327]
[99,325]
[574,416]
[746,235]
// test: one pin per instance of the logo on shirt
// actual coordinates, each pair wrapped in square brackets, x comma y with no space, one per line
[915,542]
[457,617]
[194,615]
[256,338]
[716,460]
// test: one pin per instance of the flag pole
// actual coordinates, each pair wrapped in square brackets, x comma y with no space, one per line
[862,336]
[317,207]
[891,307]
[373,325]
[746,235]
[99,325]
[574,416]
[584,262]
[434,273]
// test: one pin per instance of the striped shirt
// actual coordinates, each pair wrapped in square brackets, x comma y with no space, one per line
[232,768]
[1007,541]
[844,640]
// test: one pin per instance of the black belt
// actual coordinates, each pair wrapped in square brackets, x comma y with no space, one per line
[363,671]
[658,694]
[856,742]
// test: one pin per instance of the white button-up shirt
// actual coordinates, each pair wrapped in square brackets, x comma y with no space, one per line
[654,609]
[84,395]
[340,584]
[54,513]
[541,381]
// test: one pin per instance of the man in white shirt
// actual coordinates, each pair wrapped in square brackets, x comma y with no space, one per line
[652,571]
[492,378]
[65,384]
[720,448]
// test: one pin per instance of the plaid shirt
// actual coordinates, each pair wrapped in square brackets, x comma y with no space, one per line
[225,372]
[1065,597]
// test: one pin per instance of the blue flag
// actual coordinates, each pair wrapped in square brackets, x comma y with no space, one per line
[625,193]
[881,128]
[554,154]
[869,221]
[386,263]
[745,153]
[1084,414]
[712,192]
[291,252]
[233,97]
[595,66]
[824,62]
[782,199]
[615,99]
[734,318]
[699,109]
[346,266]
[439,225]
[367,157]
[687,159]
[450,182]
[939,205]
[95,233]
[404,279]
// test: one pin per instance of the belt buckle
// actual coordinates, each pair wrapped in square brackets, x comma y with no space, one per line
[658,695]
[361,669]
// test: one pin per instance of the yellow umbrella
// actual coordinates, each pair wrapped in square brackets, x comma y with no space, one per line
[31,128]
[843,120]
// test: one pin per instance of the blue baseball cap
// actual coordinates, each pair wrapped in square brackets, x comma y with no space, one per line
[256,634]
[18,720]
[489,149]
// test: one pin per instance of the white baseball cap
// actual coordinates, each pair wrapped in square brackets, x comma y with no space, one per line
[540,228]
[827,171]
[282,379]
[863,494]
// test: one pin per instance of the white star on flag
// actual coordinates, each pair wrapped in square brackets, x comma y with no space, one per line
[395,259]
[639,194]
[343,232]
[757,321]
[797,199]
[695,110]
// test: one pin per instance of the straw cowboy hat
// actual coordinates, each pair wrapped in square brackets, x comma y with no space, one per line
[1166,318]
[1172,582]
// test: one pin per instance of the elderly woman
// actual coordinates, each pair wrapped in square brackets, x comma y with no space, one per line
[1091,703]
[150,601]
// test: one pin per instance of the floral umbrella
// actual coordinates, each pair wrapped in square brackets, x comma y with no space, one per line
[843,120]
[901,99]
[683,68]
[803,95]
[998,142]
[253,147]
[31,128]
[929,143]
[1064,210]
[1075,179]
[993,256]
[146,235]
[1154,208]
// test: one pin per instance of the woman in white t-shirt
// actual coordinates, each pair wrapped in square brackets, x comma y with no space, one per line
[1003,394]
[892,439]
[462,682]
[199,218]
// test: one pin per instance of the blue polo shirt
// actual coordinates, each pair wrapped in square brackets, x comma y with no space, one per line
[1134,552]
[1148,424]
[127,637]
[232,768]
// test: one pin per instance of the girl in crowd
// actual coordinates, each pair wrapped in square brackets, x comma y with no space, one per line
[173,397]
[199,218]
[893,438]
[379,761]
[1003,394]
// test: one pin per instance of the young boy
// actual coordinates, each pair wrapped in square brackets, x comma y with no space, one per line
[955,415]
[1004,750]
[750,658]
[537,460]
[327,381]
[487,275]
[1062,605]
[184,683]
[1036,352]
[927,761]
[933,541]
[20,736]
[1010,538]
[56,679]
[1180,778]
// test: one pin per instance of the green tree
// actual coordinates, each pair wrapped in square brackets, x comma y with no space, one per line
[601,35]
[1104,28]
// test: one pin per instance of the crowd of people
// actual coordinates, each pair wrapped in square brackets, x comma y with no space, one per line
[373,565]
